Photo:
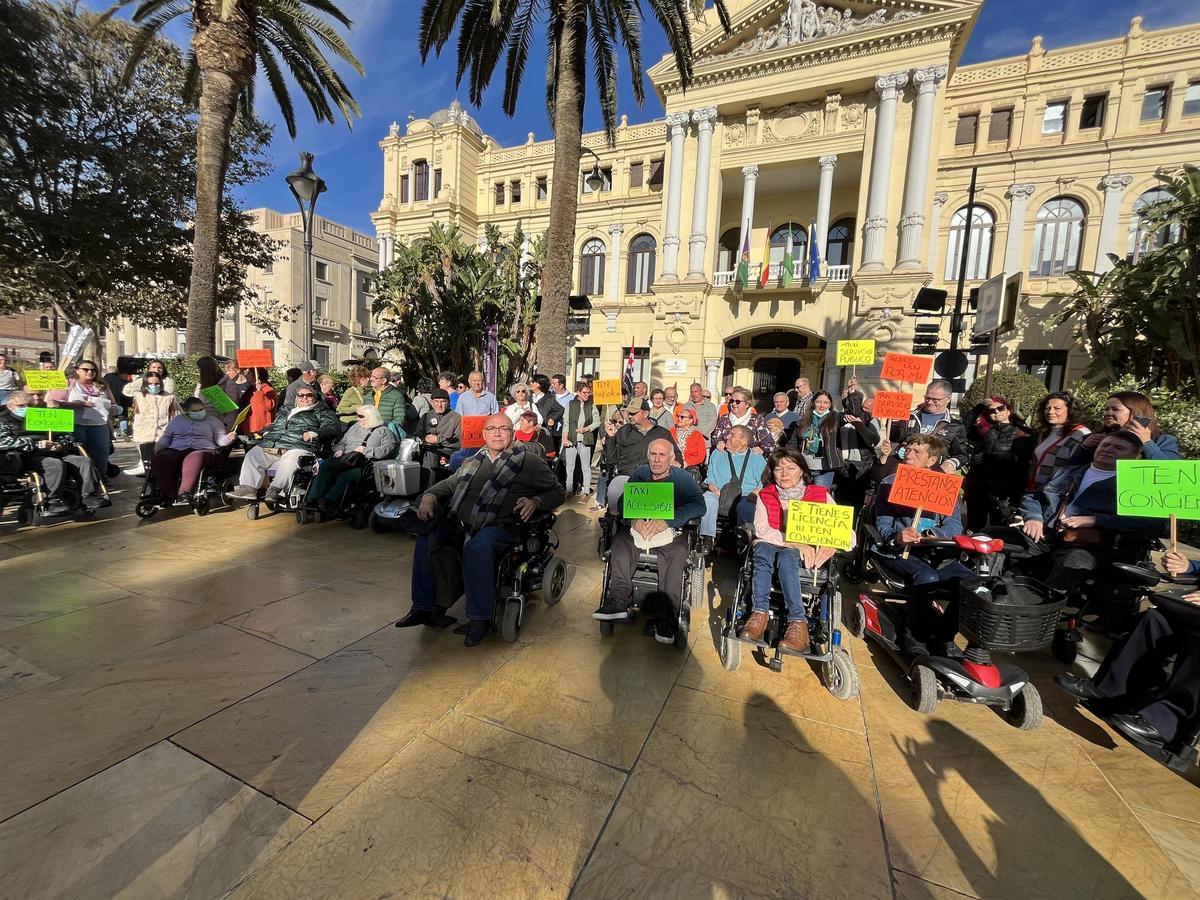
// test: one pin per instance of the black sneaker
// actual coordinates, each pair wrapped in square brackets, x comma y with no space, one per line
[186,497]
[611,609]
[477,630]
[416,617]
[664,631]
[705,545]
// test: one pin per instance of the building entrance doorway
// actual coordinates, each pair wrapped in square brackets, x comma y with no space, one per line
[771,375]
[770,361]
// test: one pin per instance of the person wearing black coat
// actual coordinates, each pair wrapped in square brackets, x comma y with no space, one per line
[1003,454]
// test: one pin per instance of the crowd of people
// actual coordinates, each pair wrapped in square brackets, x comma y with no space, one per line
[733,466]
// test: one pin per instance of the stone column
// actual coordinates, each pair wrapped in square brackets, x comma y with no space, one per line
[1014,246]
[613,288]
[712,371]
[874,228]
[678,122]
[1114,187]
[824,198]
[935,229]
[698,240]
[912,220]
[749,181]
[382,252]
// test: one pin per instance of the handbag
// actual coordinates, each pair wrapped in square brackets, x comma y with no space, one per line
[731,492]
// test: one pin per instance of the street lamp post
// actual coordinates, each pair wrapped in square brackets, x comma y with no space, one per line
[306,186]
[595,178]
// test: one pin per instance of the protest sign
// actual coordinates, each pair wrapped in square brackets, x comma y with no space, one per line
[254,359]
[856,353]
[40,419]
[925,489]
[606,391]
[37,380]
[820,524]
[648,500]
[1158,489]
[892,404]
[218,399]
[472,430]
[906,367]
[241,417]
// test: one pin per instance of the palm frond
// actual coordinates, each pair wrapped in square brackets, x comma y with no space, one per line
[437,24]
[191,78]
[157,14]
[672,17]
[278,86]
[626,27]
[604,60]
[518,54]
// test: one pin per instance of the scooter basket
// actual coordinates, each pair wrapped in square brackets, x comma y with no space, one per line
[1012,615]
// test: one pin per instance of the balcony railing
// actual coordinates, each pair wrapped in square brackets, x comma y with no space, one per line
[774,279]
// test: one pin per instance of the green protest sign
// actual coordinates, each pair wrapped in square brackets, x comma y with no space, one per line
[648,500]
[820,524]
[218,399]
[1158,489]
[39,419]
[51,380]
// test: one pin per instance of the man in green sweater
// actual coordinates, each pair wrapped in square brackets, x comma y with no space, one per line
[387,399]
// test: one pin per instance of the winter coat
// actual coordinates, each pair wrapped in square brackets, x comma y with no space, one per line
[1001,460]
[626,450]
[347,408]
[580,416]
[264,403]
[760,435]
[151,414]
[286,431]
[377,443]
[391,405]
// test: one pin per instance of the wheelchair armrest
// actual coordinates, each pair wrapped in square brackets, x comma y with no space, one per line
[873,533]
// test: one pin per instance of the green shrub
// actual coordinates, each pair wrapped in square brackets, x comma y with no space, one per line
[1022,390]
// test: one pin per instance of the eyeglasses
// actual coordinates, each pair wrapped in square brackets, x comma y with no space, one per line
[992,410]
[497,429]
[930,399]
[306,396]
[81,369]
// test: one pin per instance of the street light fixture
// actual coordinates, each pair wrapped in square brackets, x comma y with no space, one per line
[306,186]
[595,178]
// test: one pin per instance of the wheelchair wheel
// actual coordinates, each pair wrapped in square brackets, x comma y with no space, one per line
[852,570]
[731,652]
[145,509]
[1026,710]
[606,629]
[24,514]
[359,516]
[840,676]
[510,622]
[924,686]
[1064,649]
[696,587]
[303,516]
[377,524]
[858,621]
[252,511]
[555,582]
[201,506]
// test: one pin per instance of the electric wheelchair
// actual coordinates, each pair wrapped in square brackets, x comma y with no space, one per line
[530,567]
[210,487]
[25,489]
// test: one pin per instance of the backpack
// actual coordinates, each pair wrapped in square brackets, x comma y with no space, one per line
[731,492]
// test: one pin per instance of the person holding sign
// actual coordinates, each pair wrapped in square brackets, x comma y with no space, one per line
[933,417]
[95,407]
[478,510]
[788,478]
[662,533]
[626,450]
[56,460]
[896,519]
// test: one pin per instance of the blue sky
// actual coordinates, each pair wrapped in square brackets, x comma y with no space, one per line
[384,37]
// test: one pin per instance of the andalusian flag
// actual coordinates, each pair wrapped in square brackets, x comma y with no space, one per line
[765,271]
[743,269]
[814,256]
[788,262]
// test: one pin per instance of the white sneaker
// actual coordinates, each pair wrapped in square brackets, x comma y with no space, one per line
[139,469]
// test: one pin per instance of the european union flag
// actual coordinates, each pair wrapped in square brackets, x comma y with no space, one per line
[814,255]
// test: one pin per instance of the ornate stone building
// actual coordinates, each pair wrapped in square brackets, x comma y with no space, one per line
[850,125]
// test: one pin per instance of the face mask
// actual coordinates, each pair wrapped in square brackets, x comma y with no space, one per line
[198,414]
[20,411]
[153,388]
[820,414]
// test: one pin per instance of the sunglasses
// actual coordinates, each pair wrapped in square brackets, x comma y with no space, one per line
[85,370]
[309,396]
[992,410]
[737,402]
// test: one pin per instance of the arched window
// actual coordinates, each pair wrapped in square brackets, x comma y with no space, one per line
[1144,237]
[727,251]
[1058,237]
[839,248]
[979,253]
[641,264]
[591,267]
[779,240]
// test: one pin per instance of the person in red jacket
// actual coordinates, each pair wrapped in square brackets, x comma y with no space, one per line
[264,403]
[689,439]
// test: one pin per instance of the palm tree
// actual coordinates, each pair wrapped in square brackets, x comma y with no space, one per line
[230,40]
[490,29]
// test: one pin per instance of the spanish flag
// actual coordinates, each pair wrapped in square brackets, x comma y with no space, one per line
[766,263]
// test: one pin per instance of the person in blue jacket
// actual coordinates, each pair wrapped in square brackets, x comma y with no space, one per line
[664,536]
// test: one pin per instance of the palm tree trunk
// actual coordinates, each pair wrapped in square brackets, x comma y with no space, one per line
[218,104]
[551,347]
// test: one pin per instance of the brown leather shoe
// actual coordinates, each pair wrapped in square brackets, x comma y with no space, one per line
[795,640]
[755,627]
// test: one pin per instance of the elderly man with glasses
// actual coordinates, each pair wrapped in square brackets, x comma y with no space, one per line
[296,432]
[933,417]
[385,397]
[480,509]
[700,402]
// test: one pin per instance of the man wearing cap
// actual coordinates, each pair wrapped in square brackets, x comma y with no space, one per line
[308,377]
[626,450]
[440,431]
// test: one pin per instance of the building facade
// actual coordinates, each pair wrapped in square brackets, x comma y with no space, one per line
[850,125]
[28,337]
[343,328]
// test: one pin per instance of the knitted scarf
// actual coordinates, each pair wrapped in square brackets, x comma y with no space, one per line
[487,504]
[774,501]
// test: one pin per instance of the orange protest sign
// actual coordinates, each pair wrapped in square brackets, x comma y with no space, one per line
[606,391]
[925,489]
[255,359]
[472,430]
[892,404]
[906,367]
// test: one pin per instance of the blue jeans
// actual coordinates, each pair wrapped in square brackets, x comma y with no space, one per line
[602,490]
[742,513]
[767,559]
[479,580]
[96,439]
[824,479]
[921,572]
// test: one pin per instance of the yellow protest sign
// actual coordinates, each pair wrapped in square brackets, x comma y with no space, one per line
[856,353]
[50,380]
[606,391]
[820,524]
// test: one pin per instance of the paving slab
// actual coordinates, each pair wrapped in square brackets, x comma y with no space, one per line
[18,675]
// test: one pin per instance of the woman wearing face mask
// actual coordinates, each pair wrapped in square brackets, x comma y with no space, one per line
[153,409]
[189,443]
[817,439]
[156,366]
[94,407]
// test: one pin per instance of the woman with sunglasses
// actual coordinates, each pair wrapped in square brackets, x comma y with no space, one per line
[521,404]
[94,407]
[741,412]
[1000,464]
[364,442]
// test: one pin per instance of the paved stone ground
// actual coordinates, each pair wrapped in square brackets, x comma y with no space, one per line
[196,706]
